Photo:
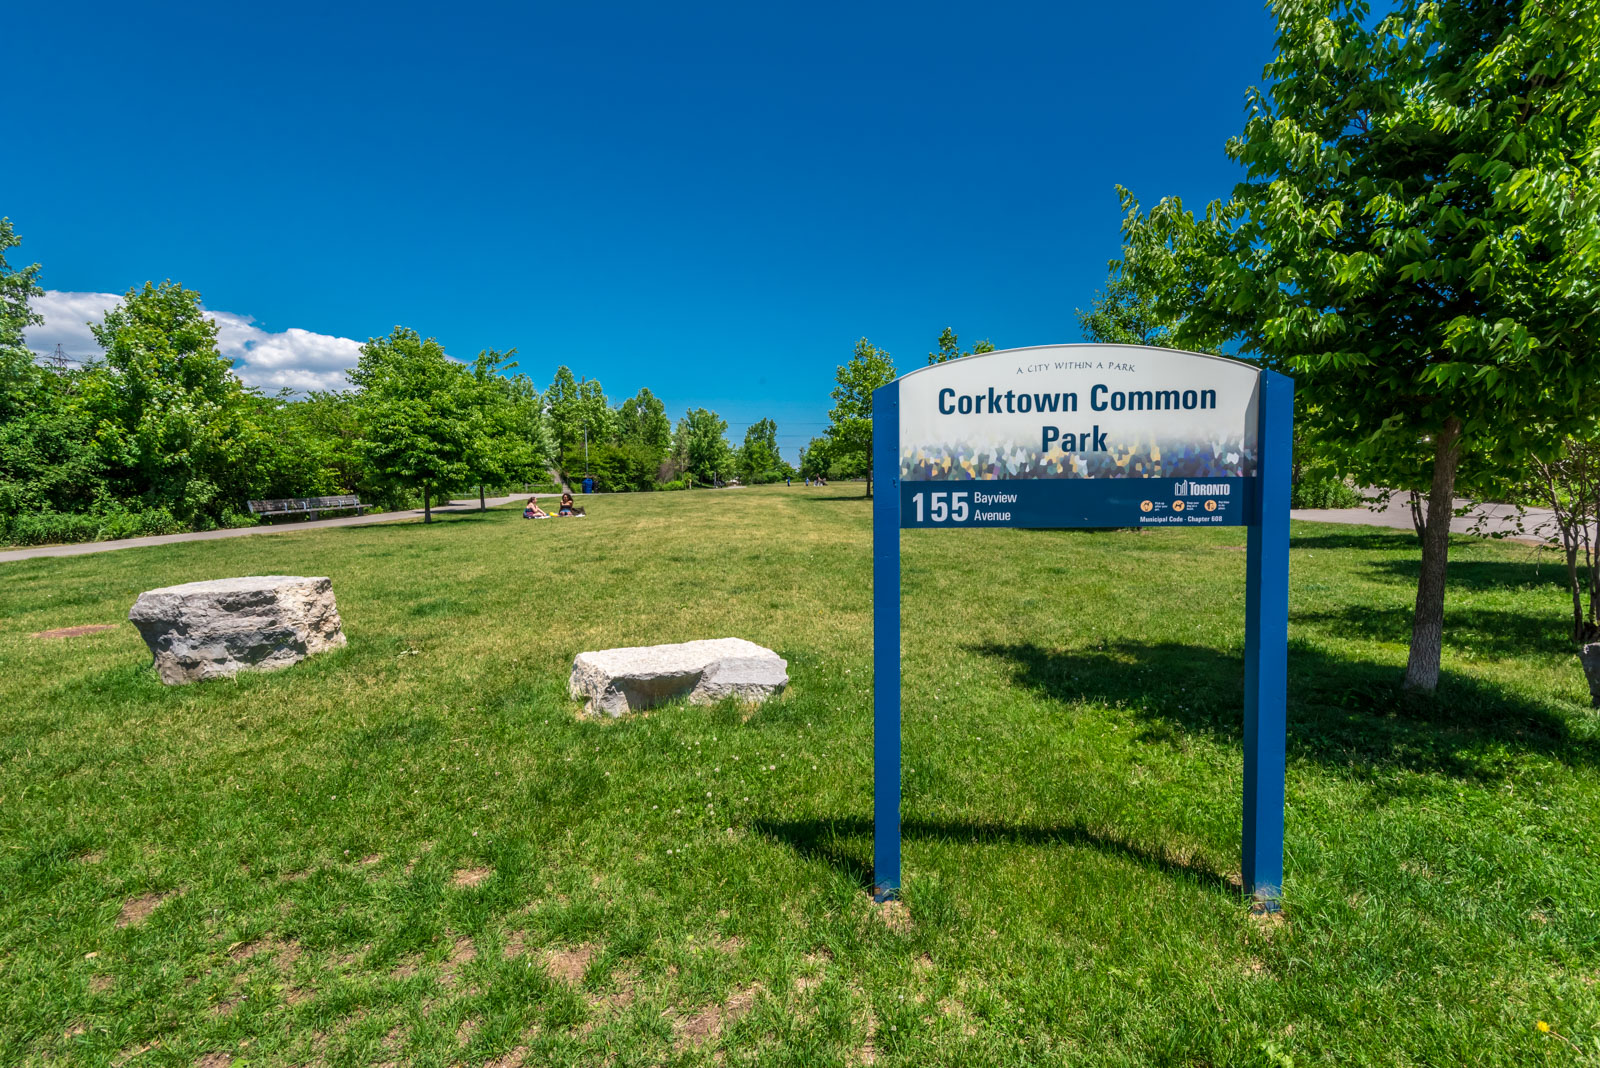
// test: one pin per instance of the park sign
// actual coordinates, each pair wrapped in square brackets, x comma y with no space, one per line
[1079,436]
[1093,436]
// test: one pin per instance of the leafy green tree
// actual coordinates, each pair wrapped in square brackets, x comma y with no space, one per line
[171,421]
[950,348]
[850,421]
[1125,312]
[1417,242]
[532,427]
[642,419]
[20,377]
[759,460]
[48,458]
[499,448]
[417,409]
[701,447]
[815,461]
[564,410]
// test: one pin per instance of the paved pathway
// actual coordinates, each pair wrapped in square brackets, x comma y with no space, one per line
[1538,524]
[80,548]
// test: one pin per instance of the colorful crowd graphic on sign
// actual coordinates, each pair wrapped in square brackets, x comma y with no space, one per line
[1069,435]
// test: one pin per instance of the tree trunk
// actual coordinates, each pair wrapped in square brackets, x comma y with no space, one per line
[1427,625]
[481,506]
[1418,521]
[869,483]
[427,510]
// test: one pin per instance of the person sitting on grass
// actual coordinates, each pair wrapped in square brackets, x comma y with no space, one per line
[567,507]
[533,511]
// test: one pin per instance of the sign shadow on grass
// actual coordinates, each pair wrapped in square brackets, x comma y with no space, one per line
[1343,713]
[846,845]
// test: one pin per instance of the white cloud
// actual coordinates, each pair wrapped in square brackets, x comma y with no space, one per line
[295,359]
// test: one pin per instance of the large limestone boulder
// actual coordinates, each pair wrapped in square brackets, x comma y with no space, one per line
[216,629]
[614,681]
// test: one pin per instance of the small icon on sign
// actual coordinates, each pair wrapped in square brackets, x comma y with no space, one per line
[1177,506]
[1211,506]
[1145,506]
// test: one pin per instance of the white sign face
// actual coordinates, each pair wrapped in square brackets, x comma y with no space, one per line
[1071,413]
[1079,411]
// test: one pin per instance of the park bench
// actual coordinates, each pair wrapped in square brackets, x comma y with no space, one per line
[308,505]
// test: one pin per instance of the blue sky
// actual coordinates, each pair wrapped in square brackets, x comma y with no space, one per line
[711,200]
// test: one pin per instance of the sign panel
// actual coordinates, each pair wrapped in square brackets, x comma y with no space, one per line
[1079,436]
[1093,436]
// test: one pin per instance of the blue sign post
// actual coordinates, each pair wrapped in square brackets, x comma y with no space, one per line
[1092,436]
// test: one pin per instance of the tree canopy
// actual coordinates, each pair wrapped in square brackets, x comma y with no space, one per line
[1417,242]
[950,348]
[850,420]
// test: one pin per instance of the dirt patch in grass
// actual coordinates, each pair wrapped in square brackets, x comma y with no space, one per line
[76,632]
[867,1052]
[405,969]
[568,965]
[730,945]
[893,915]
[214,1060]
[99,984]
[957,1013]
[468,877]
[93,858]
[516,944]
[285,953]
[225,1007]
[246,950]
[468,1028]
[616,1000]
[1269,924]
[707,1024]
[462,953]
[371,859]
[138,909]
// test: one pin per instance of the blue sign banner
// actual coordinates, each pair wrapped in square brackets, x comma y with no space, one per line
[1075,502]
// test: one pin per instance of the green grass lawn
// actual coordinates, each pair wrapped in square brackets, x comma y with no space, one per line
[415,851]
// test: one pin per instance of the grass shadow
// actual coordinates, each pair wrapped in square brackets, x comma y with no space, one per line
[1482,575]
[846,845]
[1343,713]
[1373,540]
[1496,631]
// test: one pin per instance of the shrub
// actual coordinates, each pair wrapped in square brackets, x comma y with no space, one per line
[1324,492]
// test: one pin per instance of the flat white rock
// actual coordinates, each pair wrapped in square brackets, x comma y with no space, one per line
[216,629]
[614,681]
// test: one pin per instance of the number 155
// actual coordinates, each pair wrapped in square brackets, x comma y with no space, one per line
[940,510]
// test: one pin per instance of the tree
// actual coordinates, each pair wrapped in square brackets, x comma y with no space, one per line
[416,408]
[815,461]
[759,459]
[643,419]
[20,376]
[1416,242]
[171,421]
[705,454]
[950,348]
[1125,312]
[564,410]
[850,421]
[498,448]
